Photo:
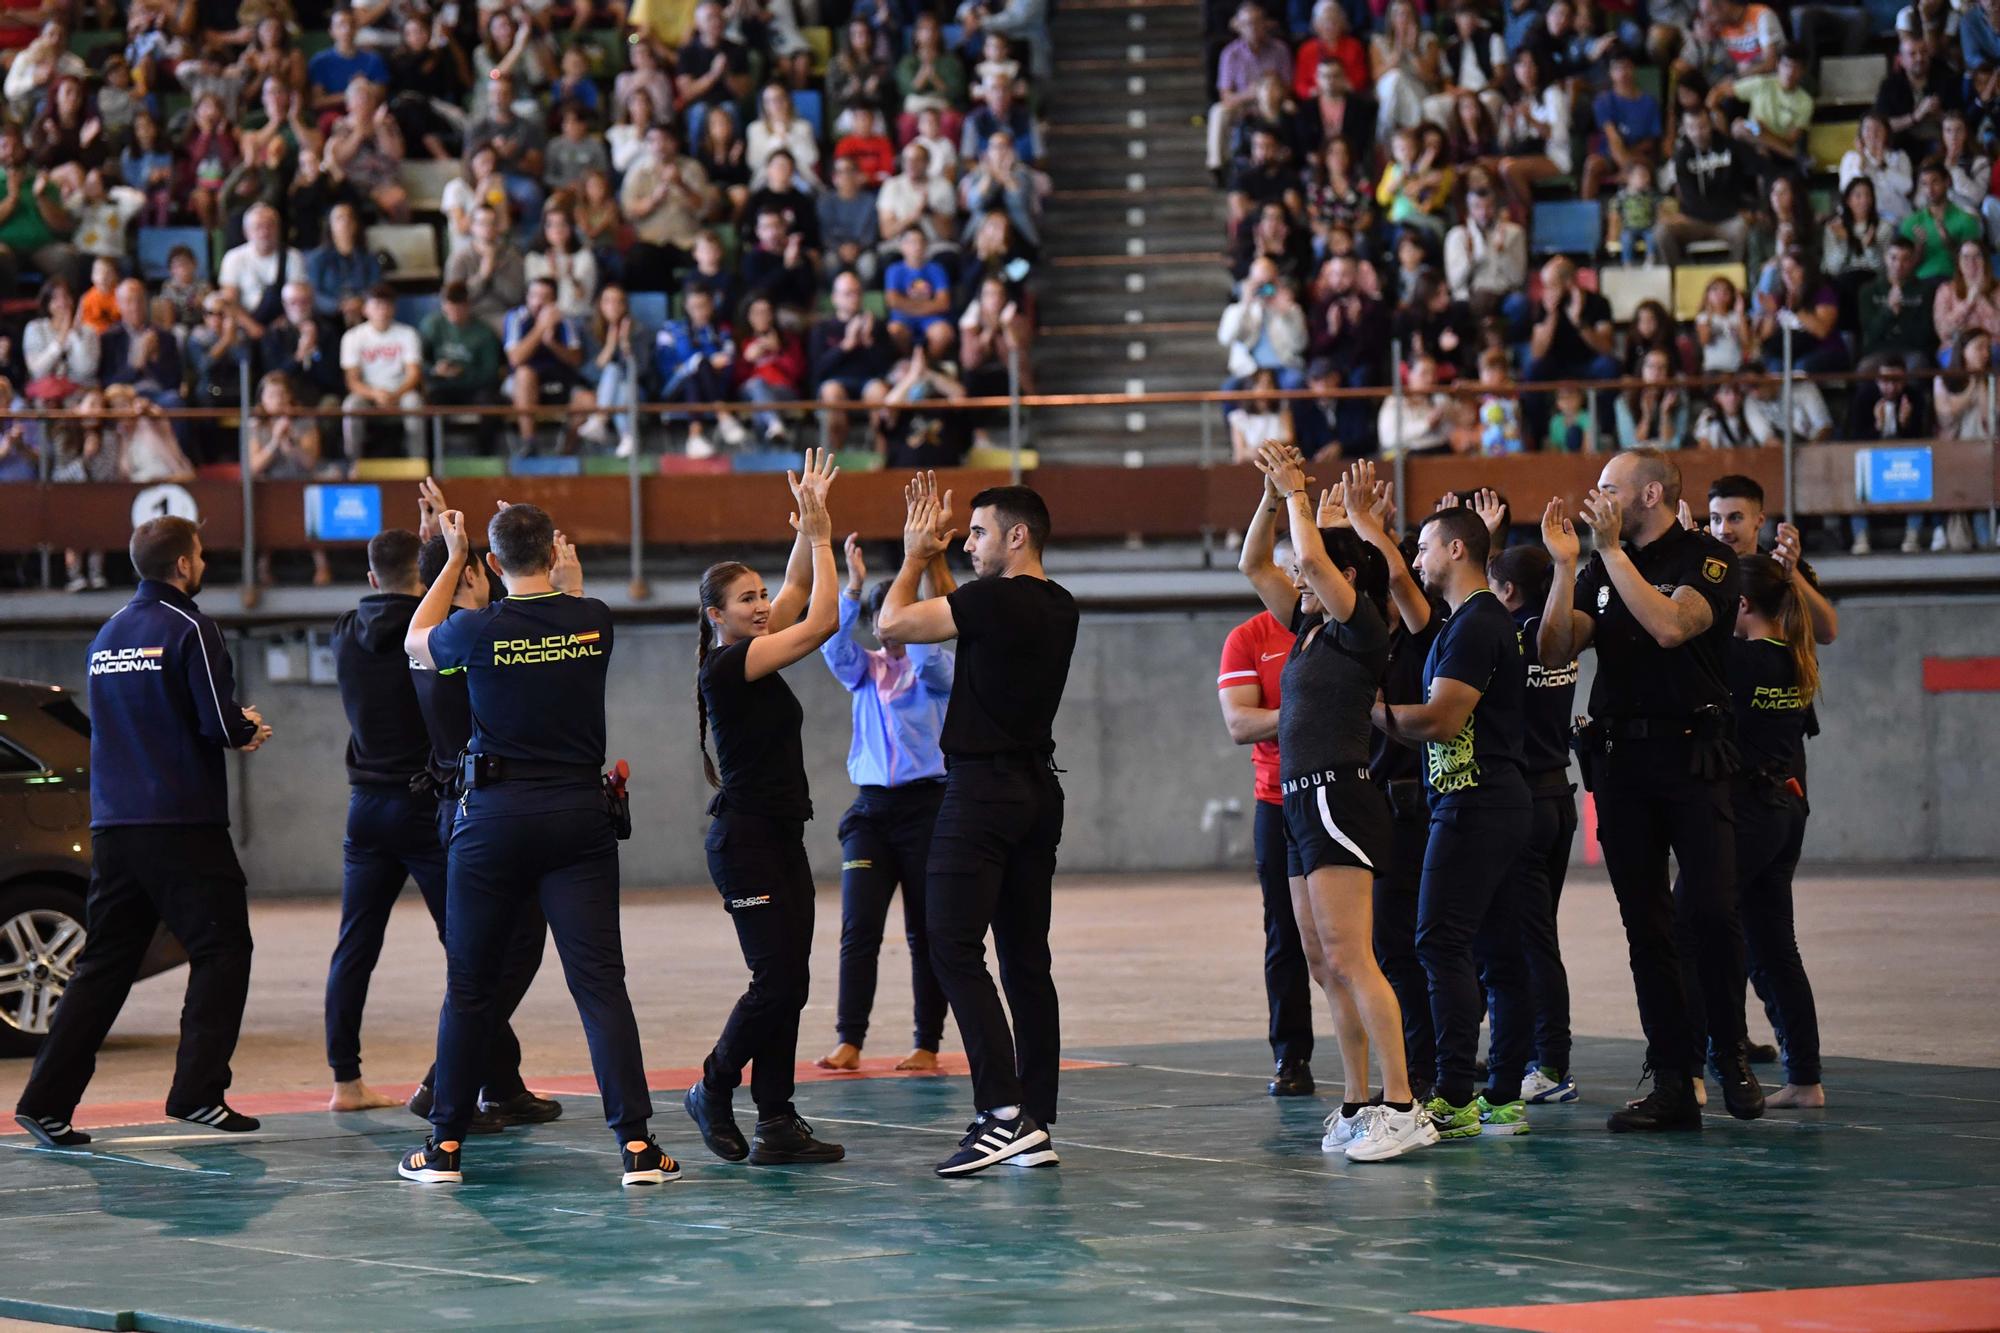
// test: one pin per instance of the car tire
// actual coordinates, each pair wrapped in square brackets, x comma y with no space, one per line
[37,916]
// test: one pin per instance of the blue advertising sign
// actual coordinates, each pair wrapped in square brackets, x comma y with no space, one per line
[1893,476]
[343,513]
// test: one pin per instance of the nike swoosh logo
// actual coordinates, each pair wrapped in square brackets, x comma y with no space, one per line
[1268,656]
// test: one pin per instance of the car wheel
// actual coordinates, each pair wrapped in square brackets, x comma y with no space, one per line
[41,937]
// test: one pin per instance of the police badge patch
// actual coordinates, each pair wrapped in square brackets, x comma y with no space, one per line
[1714,570]
[1603,596]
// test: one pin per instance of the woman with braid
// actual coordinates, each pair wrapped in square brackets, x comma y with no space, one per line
[756,841]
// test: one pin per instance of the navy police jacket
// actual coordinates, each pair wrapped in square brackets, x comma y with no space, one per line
[162,710]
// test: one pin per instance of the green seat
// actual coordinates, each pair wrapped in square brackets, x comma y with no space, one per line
[85,42]
[858,460]
[474,467]
[605,48]
[876,304]
[1648,78]
[313,41]
[603,465]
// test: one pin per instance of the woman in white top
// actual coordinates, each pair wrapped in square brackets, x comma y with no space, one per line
[480,183]
[647,75]
[1419,422]
[1884,164]
[59,345]
[1534,132]
[1258,422]
[1407,65]
[627,139]
[1971,175]
[566,261]
[781,127]
[1722,327]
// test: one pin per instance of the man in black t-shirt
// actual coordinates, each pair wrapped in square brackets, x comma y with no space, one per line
[1470,724]
[993,852]
[533,823]
[1659,755]
[1571,339]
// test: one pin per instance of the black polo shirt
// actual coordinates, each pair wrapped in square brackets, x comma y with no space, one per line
[1636,677]
[535,667]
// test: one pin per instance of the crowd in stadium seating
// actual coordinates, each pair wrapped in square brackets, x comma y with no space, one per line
[1581,190]
[529,202]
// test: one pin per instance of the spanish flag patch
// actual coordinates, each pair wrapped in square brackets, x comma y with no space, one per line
[588,636]
[1714,570]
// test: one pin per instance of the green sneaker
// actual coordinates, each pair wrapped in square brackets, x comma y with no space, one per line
[1506,1118]
[1453,1122]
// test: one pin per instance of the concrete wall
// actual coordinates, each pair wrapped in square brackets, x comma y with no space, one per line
[1153,783]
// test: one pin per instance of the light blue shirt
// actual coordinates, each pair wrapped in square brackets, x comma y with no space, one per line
[899,705]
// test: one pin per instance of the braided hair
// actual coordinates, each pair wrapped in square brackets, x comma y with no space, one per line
[715,581]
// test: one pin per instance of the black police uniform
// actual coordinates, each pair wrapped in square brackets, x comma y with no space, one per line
[1543,866]
[534,825]
[1659,758]
[163,709]
[993,849]
[1769,798]
[757,858]
[1479,807]
[445,700]
[1397,772]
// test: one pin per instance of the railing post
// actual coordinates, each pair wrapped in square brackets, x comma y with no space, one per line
[437,446]
[45,464]
[1992,434]
[637,586]
[1207,459]
[1593,443]
[1402,454]
[244,405]
[1014,410]
[1785,402]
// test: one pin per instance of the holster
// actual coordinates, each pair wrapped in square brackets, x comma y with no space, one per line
[1588,739]
[1407,799]
[618,804]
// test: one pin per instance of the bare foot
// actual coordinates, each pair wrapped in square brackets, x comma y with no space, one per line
[920,1059]
[1798,1096]
[358,1096]
[843,1057]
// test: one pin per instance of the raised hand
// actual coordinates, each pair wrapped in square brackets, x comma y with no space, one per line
[451,525]
[1559,535]
[1332,512]
[1367,500]
[1686,516]
[857,567]
[922,538]
[1606,519]
[566,573]
[1788,549]
[430,503]
[1449,500]
[1281,467]
[815,476]
[1492,510]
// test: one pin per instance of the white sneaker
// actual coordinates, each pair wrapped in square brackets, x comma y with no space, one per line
[1958,533]
[596,430]
[1938,538]
[698,445]
[1538,1087]
[731,430]
[1391,1133]
[1912,542]
[627,446]
[1862,545]
[1342,1130]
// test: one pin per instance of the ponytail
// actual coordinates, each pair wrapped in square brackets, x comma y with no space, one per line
[1772,595]
[715,581]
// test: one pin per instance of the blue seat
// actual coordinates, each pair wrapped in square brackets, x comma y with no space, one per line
[810,104]
[649,309]
[1567,227]
[414,309]
[156,243]
[568,465]
[760,461]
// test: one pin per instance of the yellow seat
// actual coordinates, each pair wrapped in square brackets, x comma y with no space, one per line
[998,457]
[1625,288]
[425,180]
[821,42]
[1691,280]
[391,469]
[1827,144]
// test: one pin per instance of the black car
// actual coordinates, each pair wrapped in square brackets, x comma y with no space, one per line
[45,859]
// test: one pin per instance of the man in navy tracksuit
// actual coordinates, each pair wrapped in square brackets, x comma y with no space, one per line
[392,830]
[163,709]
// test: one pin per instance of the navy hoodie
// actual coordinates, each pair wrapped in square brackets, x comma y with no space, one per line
[387,744]
[162,710]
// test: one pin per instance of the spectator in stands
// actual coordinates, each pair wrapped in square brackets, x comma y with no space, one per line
[494,273]
[770,365]
[943,148]
[1652,328]
[1257,421]
[1971,174]
[1264,329]
[330,72]
[427,87]
[265,179]
[992,332]
[779,126]
[60,349]
[208,155]
[462,357]
[544,353]
[1338,196]
[284,447]
[651,73]
[712,69]
[1629,128]
[712,273]
[1810,420]
[1897,327]
[997,111]
[573,85]
[517,145]
[342,272]
[1883,165]
[723,158]
[1334,112]
[1722,328]
[1938,226]
[136,352]
[695,357]
[1498,412]
[665,196]
[1970,298]
[918,198]
[1270,108]
[1710,181]
[304,345]
[147,165]
[1275,238]
[252,273]
[1269,176]
[85,450]
[779,267]
[20,455]
[313,193]
[929,78]
[99,307]
[67,130]
[384,365]
[1406,65]
[185,290]
[1964,412]
[1787,221]
[37,227]
[626,140]
[283,119]
[865,145]
[1419,420]
[1534,131]
[1256,53]
[780,191]
[566,261]
[1433,324]
[366,146]
[849,354]
[1332,42]
[1751,34]
[918,290]
[600,222]
[513,51]
[573,154]
[1416,187]
[1773,132]
[1001,182]
[217,354]
[1637,208]
[1915,95]
[1854,247]
[1809,306]
[858,74]
[1723,422]
[1572,334]
[614,343]
[1654,415]
[847,222]
[1886,409]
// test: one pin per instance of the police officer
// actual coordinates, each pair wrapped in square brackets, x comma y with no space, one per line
[535,822]
[899,694]
[1658,603]
[163,709]
[1736,518]
[993,852]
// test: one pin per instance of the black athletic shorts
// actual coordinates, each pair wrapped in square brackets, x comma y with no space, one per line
[1333,819]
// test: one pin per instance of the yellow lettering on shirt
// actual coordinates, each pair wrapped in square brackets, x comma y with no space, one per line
[549,648]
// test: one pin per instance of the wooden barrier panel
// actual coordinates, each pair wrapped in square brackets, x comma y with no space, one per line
[1962,477]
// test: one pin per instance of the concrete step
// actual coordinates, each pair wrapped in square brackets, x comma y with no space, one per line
[1189,207]
[1197,307]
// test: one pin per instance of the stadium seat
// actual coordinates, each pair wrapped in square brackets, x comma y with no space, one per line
[999,458]
[413,308]
[425,180]
[1827,144]
[470,466]
[1625,288]
[606,465]
[536,465]
[811,104]
[759,460]
[391,469]
[1691,280]
[412,249]
[156,243]
[605,48]
[1567,227]
[1851,80]
[875,303]
[821,41]
[649,309]
[680,465]
[858,460]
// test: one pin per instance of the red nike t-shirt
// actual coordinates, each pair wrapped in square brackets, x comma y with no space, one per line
[1254,654]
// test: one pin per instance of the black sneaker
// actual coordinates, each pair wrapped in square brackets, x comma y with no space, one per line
[1294,1079]
[1670,1106]
[1740,1090]
[989,1140]
[483,1120]
[420,1101]
[523,1108]
[430,1165]
[219,1117]
[50,1131]
[1761,1053]
[648,1166]
[789,1140]
[717,1125]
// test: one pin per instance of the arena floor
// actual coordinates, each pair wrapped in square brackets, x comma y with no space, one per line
[1187,1198]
